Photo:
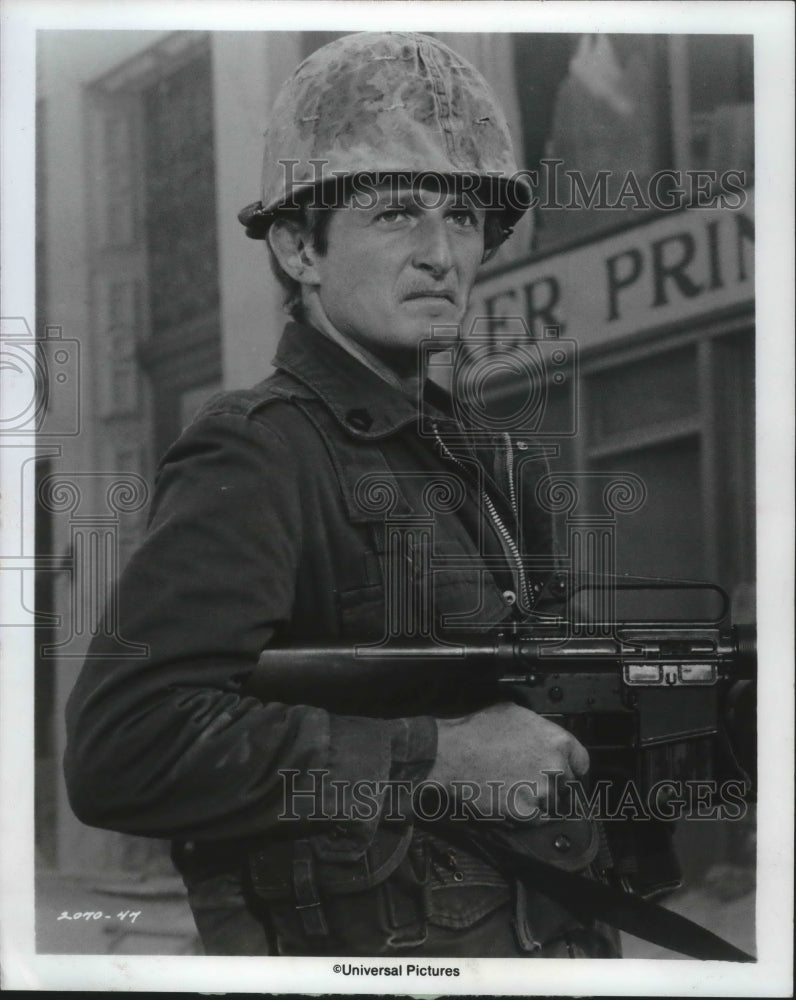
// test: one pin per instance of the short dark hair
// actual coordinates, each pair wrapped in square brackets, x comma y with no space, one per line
[313,216]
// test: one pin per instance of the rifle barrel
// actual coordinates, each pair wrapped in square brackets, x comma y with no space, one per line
[338,671]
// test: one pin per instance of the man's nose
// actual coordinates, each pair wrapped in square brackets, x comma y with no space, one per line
[433,247]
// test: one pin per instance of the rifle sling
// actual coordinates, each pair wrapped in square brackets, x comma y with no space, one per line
[590,899]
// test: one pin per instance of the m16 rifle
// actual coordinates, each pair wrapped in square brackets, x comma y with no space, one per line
[653,702]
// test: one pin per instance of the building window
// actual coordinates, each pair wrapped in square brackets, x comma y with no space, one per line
[681,419]
[153,229]
[614,110]
[180,194]
[607,128]
[713,102]
[645,396]
[119,171]
[120,327]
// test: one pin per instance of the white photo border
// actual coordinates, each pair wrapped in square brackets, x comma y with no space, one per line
[772,26]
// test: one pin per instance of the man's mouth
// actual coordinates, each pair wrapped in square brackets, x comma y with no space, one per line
[431,293]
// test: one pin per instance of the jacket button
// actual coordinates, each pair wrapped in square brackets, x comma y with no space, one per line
[509,596]
[562,843]
[360,419]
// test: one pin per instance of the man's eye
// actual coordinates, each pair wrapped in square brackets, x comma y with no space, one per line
[391,215]
[463,217]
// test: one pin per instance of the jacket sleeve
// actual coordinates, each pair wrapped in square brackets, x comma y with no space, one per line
[160,741]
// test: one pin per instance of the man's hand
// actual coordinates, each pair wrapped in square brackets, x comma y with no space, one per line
[502,761]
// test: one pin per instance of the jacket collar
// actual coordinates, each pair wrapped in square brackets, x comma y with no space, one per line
[365,405]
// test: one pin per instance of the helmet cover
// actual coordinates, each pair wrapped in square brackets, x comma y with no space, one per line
[384,104]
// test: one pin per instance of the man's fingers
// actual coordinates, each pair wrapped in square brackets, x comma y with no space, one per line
[579,759]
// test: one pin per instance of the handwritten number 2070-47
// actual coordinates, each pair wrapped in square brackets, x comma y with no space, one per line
[131,915]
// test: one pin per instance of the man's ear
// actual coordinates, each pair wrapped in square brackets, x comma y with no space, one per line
[294,251]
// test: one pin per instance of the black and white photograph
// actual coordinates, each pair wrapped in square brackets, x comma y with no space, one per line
[397,531]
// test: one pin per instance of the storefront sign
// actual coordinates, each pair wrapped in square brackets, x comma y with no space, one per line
[673,269]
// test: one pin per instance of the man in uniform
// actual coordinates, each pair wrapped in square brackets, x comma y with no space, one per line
[389,177]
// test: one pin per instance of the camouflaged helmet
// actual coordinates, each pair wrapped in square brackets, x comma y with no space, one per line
[385,104]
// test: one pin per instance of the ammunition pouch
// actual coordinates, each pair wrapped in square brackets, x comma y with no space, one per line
[409,880]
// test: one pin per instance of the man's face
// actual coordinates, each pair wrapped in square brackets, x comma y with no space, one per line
[398,264]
